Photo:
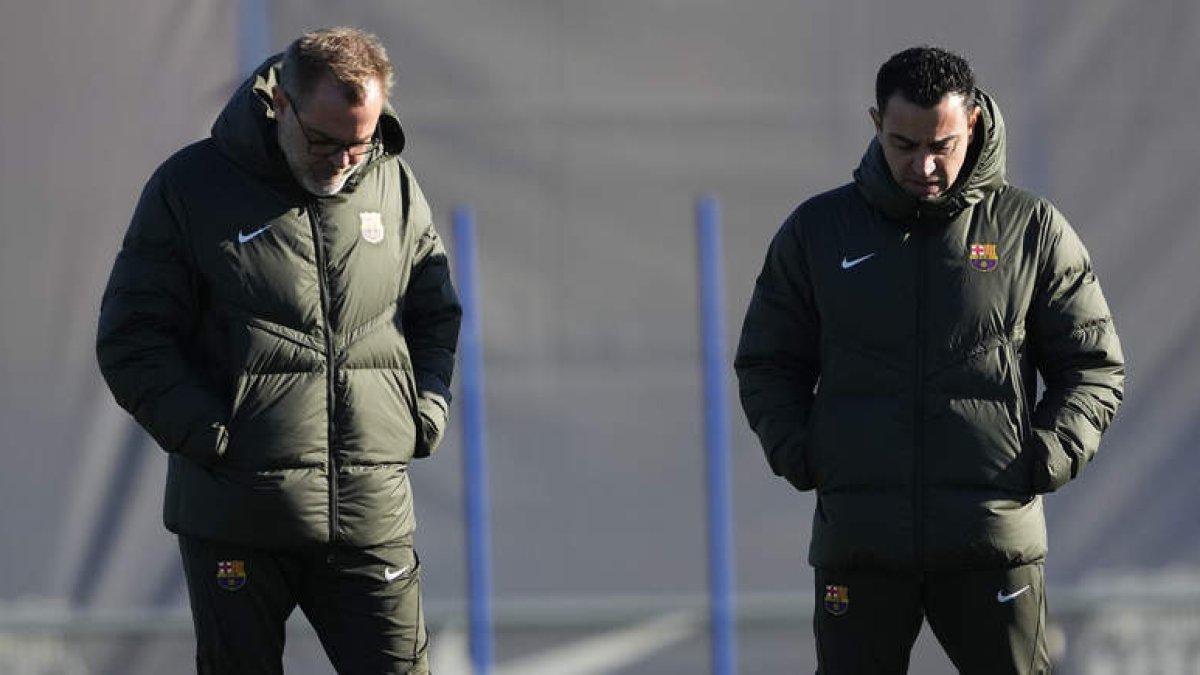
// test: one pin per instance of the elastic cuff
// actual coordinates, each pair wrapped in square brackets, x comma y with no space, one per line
[208,444]
[433,417]
[1053,467]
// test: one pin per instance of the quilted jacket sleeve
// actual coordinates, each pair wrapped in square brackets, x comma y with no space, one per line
[1075,347]
[431,318]
[777,360]
[146,315]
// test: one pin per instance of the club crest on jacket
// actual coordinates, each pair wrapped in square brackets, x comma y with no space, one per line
[370,224]
[984,257]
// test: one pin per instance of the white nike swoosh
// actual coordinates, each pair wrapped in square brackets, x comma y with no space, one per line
[243,238]
[1002,598]
[390,576]
[847,264]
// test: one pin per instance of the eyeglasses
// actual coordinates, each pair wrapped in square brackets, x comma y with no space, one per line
[326,149]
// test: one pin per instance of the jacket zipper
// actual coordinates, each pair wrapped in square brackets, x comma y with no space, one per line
[330,369]
[919,405]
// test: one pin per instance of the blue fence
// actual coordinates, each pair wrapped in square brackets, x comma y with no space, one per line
[716,435]
[475,465]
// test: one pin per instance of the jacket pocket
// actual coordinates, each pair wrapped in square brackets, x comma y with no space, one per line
[408,386]
[807,461]
[1024,415]
[1029,455]
[237,395]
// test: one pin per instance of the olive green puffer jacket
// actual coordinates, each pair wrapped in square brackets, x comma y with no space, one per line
[889,359]
[292,354]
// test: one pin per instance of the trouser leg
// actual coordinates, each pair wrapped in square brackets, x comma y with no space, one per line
[865,622]
[991,621]
[365,605]
[240,600]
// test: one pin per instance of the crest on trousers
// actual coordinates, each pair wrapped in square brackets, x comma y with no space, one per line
[837,599]
[984,257]
[231,574]
[370,224]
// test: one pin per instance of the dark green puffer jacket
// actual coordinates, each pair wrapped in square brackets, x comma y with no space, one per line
[889,359]
[292,354]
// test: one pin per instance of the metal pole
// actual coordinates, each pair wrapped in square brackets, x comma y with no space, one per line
[716,433]
[475,471]
[253,34]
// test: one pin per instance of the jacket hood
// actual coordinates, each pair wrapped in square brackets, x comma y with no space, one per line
[983,172]
[245,129]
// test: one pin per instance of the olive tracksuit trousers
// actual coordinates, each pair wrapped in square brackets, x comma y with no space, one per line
[364,603]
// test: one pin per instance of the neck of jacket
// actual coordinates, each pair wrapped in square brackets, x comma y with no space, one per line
[982,173]
[247,134]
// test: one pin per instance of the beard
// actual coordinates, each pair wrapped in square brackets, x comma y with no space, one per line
[315,176]
[322,186]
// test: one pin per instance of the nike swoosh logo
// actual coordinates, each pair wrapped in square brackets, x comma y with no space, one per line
[847,264]
[1002,598]
[390,576]
[243,237]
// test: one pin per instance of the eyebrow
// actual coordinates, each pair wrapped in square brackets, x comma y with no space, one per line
[937,141]
[324,137]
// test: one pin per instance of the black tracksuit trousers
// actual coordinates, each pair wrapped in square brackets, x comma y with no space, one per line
[990,622]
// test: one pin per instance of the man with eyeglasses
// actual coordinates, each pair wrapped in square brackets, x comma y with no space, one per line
[281,320]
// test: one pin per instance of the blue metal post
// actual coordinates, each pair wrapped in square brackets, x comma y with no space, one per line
[253,34]
[475,471]
[716,433]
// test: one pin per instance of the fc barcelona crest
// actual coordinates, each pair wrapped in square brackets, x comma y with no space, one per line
[984,257]
[370,224]
[837,599]
[231,574]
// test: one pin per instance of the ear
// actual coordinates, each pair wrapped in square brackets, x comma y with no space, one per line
[971,120]
[279,101]
[876,119]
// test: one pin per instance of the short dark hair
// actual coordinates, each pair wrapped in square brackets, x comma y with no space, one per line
[351,56]
[925,75]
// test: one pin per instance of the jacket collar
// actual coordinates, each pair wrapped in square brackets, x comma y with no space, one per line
[245,130]
[983,172]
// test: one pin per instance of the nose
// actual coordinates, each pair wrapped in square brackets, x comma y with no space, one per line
[924,164]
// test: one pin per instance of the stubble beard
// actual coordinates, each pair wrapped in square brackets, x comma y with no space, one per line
[302,168]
